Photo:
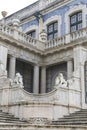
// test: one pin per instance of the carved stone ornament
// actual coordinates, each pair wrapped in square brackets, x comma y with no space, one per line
[59,80]
[38,121]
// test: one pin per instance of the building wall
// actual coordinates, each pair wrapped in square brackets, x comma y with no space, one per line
[57,14]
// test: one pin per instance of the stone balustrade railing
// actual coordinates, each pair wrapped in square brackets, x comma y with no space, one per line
[55,42]
[25,39]
[68,38]
[78,34]
[6,30]
[17,35]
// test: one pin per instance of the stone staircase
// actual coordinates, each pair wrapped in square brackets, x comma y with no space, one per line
[77,118]
[8,118]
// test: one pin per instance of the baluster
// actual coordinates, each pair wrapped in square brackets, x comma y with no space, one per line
[55,42]
[28,40]
[0,27]
[63,40]
[32,41]
[49,44]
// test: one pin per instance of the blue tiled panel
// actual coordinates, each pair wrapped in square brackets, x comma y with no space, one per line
[27,25]
[61,11]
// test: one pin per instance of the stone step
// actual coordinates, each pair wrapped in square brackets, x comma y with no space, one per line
[77,118]
[72,119]
[78,114]
[9,118]
[81,111]
[70,123]
[12,121]
[4,113]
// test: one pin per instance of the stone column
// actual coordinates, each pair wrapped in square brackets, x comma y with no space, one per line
[12,64]
[36,79]
[69,68]
[43,79]
[40,26]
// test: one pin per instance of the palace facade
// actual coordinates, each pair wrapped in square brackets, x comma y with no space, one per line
[43,62]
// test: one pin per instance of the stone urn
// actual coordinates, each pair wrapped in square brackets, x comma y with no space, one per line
[43,36]
[15,22]
[4,14]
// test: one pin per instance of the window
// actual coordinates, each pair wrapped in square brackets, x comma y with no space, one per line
[52,31]
[76,21]
[32,33]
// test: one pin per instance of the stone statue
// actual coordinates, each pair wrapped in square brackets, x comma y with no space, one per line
[59,80]
[18,79]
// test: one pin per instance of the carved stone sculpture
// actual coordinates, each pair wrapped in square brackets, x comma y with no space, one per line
[18,80]
[59,80]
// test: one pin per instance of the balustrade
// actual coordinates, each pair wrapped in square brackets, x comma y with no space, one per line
[78,34]
[25,39]
[66,39]
[55,42]
[6,30]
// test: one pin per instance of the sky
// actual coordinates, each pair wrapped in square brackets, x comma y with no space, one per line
[11,6]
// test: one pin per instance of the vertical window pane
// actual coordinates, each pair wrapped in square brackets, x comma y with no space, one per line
[50,28]
[55,26]
[73,19]
[52,31]
[73,28]
[79,26]
[55,35]
[79,16]
[50,37]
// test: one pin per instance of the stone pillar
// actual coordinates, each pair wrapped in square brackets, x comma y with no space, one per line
[69,69]
[15,22]
[40,26]
[12,65]
[43,79]
[36,79]
[3,56]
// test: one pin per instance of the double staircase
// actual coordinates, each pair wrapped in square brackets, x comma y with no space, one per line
[77,118]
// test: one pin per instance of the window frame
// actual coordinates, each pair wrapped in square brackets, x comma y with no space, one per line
[53,32]
[73,9]
[77,21]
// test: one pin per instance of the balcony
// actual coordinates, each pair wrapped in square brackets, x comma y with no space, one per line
[24,39]
[66,39]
